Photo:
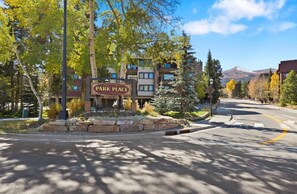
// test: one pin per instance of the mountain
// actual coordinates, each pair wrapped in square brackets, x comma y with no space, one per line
[239,73]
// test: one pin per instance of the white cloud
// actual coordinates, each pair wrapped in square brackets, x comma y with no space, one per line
[248,9]
[226,14]
[286,26]
[1,3]
[219,26]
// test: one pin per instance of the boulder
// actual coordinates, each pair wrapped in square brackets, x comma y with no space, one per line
[58,122]
[161,121]
[103,128]
[80,127]
[131,128]
[54,128]
[150,127]
[103,122]
[144,122]
[183,122]
[125,122]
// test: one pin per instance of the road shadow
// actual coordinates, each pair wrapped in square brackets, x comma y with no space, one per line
[146,165]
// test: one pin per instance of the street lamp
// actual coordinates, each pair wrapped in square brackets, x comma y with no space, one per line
[211,90]
[63,114]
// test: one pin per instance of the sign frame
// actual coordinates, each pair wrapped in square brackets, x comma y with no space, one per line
[111,89]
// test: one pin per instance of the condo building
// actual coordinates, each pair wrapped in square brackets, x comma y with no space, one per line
[148,79]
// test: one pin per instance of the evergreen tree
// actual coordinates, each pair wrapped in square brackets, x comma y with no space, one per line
[289,89]
[213,70]
[244,89]
[184,97]
[160,101]
[237,90]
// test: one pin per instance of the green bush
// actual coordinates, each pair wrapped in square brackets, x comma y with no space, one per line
[75,107]
[53,111]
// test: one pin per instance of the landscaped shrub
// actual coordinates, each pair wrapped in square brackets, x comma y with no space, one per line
[148,109]
[128,104]
[75,107]
[53,111]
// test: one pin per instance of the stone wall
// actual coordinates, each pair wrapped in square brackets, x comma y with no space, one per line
[96,125]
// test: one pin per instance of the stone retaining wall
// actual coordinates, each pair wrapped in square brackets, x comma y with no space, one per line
[115,125]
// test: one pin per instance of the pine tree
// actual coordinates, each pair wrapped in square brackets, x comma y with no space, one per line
[160,101]
[289,89]
[184,97]
[244,89]
[213,70]
[237,90]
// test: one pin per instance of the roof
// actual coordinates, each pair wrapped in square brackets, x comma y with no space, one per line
[287,66]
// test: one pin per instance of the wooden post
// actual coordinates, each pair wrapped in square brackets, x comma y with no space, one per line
[133,96]
[88,95]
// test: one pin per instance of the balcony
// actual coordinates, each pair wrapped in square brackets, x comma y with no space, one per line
[132,69]
[167,68]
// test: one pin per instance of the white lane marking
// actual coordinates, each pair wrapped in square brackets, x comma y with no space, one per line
[292,122]
[237,124]
[171,142]
[258,125]
[291,117]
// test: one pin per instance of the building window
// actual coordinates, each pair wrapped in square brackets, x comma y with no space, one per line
[151,88]
[75,88]
[146,75]
[146,88]
[74,76]
[166,65]
[132,77]
[151,75]
[168,77]
[131,66]
[114,75]
[167,87]
[141,62]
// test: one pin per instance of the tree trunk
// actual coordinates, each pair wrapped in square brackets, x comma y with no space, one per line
[31,84]
[13,92]
[57,100]
[18,90]
[83,88]
[92,47]
[91,39]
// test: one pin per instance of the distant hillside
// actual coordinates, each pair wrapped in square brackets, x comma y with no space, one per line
[242,74]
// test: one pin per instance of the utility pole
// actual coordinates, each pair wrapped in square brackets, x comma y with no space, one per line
[63,114]
[210,91]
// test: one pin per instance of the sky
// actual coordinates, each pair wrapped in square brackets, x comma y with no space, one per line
[253,34]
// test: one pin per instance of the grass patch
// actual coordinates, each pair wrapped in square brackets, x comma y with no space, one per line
[196,115]
[294,107]
[19,126]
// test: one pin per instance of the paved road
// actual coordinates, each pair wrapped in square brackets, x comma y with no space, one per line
[255,152]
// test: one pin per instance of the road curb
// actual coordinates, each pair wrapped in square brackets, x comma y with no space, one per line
[186,130]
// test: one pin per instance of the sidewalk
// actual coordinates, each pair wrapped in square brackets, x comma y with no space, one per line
[18,119]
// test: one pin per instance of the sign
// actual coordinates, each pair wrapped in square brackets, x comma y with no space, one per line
[110,89]
[210,90]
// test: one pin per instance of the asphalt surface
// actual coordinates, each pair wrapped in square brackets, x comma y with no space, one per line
[254,152]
